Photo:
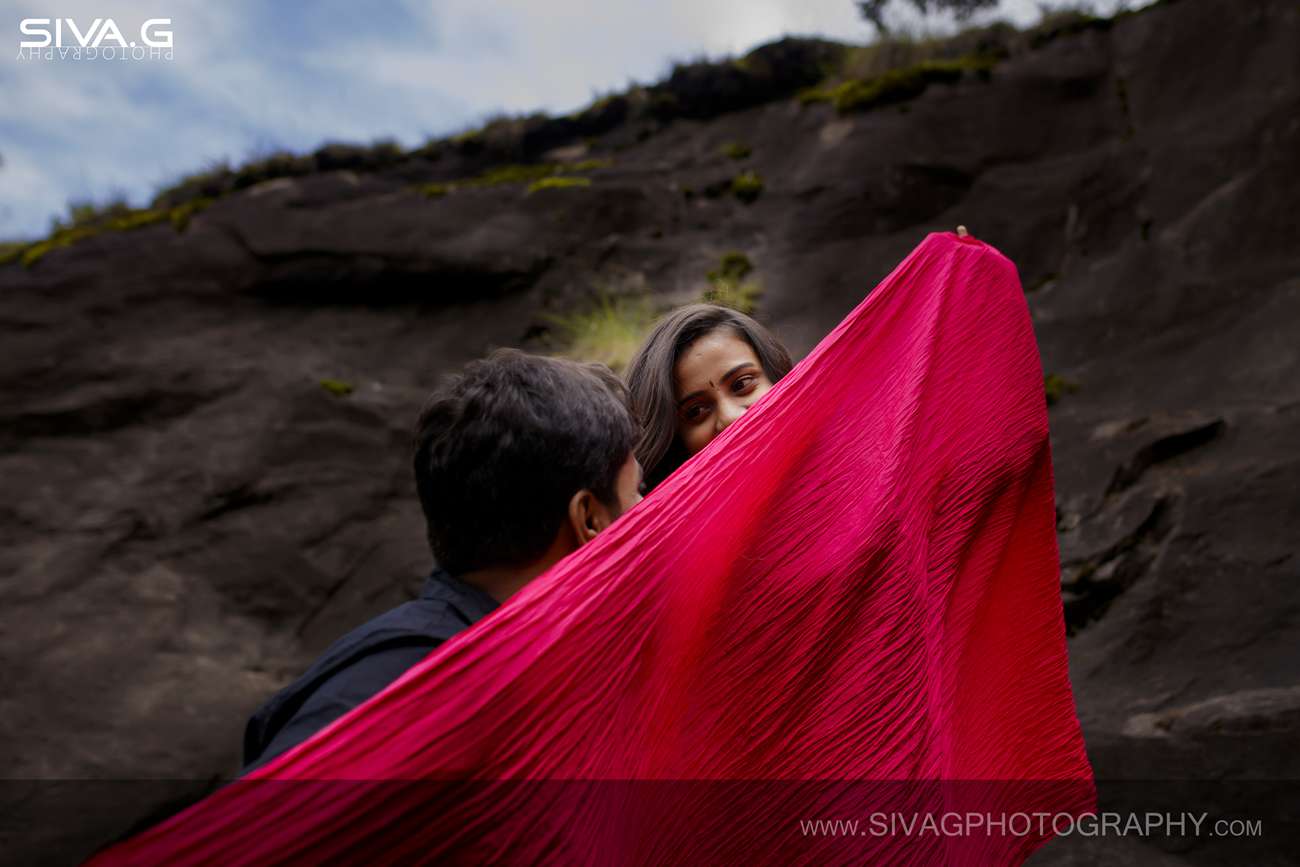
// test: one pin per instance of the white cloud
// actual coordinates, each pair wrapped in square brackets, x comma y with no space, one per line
[244,78]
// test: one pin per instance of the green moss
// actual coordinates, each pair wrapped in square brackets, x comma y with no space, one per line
[610,331]
[512,174]
[181,215]
[1057,386]
[119,221]
[897,85]
[538,176]
[137,220]
[736,150]
[337,387]
[1066,22]
[747,186]
[11,250]
[662,105]
[386,151]
[430,151]
[281,164]
[557,182]
[216,180]
[470,141]
[35,252]
[742,295]
[596,107]
[81,214]
[812,95]
[219,179]
[29,254]
[734,265]
[728,286]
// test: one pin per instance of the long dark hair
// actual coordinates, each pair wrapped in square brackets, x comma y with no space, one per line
[650,377]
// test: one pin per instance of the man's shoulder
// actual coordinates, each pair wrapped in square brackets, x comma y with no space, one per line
[429,619]
[433,616]
[353,667]
[444,607]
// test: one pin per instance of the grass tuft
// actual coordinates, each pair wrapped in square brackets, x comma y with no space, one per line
[86,222]
[337,387]
[557,182]
[729,287]
[747,186]
[1056,386]
[736,150]
[610,331]
[897,85]
[538,176]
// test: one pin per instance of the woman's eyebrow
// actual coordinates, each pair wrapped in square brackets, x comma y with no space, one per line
[693,394]
[728,375]
[739,367]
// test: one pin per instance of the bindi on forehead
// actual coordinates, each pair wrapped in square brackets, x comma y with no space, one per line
[709,361]
[713,381]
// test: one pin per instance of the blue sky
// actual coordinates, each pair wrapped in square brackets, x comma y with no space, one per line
[250,77]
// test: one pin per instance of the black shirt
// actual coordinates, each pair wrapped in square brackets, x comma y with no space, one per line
[361,664]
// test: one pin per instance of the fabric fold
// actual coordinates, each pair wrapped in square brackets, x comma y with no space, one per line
[845,608]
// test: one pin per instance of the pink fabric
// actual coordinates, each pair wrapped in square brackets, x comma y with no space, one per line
[855,586]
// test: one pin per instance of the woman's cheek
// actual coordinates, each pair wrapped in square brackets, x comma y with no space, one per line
[695,438]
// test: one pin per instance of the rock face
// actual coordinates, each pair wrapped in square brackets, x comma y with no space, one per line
[190,515]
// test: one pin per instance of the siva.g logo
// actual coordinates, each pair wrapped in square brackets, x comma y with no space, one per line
[63,39]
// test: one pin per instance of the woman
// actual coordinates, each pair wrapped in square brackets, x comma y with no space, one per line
[700,369]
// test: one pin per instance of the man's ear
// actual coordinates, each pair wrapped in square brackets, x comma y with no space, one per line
[587,516]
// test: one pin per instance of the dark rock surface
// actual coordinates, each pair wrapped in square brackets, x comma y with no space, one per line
[190,516]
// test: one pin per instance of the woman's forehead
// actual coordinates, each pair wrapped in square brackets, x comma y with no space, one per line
[711,357]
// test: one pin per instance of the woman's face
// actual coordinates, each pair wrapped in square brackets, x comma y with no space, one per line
[717,378]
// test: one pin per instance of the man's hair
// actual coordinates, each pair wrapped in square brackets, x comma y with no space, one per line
[502,448]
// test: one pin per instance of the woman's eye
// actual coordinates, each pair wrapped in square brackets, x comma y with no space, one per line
[694,412]
[744,384]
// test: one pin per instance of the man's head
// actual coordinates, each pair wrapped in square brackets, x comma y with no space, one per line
[520,457]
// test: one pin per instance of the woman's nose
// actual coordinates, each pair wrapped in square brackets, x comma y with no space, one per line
[728,412]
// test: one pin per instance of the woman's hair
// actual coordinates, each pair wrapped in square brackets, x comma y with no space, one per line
[651,379]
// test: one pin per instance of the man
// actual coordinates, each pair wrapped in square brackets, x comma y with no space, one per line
[518,462]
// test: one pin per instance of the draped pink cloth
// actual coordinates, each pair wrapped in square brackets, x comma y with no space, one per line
[845,608]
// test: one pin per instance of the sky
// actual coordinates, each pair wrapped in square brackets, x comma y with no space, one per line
[247,78]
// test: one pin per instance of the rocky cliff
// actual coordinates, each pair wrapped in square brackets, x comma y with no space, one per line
[205,417]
